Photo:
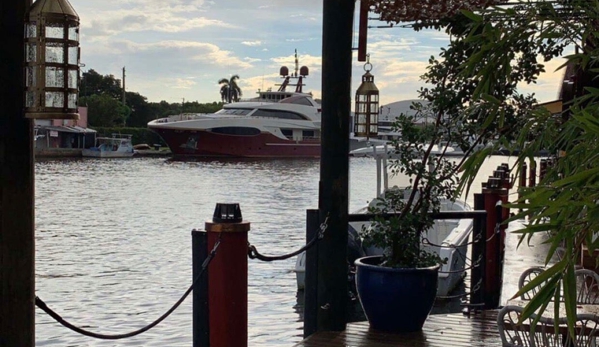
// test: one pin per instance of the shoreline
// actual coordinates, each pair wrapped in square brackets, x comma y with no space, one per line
[76,153]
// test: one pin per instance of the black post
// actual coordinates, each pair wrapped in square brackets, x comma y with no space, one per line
[201,326]
[17,242]
[334,163]
[311,276]
[477,274]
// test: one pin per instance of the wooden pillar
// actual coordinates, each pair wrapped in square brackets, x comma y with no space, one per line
[17,251]
[334,163]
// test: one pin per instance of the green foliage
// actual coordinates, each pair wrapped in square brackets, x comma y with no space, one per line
[92,83]
[421,155]
[229,90]
[102,94]
[140,135]
[104,111]
[491,55]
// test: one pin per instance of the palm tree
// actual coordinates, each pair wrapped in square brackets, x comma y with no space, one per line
[229,90]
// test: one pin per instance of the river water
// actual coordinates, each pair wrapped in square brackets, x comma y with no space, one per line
[113,243]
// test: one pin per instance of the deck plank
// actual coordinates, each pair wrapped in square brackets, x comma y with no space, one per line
[439,331]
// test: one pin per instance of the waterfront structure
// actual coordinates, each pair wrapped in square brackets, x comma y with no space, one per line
[51,134]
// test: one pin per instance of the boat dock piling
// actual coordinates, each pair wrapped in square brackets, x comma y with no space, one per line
[544,163]
[494,195]
[220,304]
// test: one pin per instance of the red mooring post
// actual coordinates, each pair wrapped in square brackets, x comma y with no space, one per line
[494,193]
[542,169]
[532,177]
[228,277]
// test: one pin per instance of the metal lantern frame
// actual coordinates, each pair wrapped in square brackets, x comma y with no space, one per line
[52,60]
[366,111]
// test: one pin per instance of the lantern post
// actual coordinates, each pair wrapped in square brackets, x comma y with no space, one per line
[367,105]
[51,60]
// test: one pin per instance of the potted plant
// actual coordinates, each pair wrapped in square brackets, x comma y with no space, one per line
[422,155]
[397,289]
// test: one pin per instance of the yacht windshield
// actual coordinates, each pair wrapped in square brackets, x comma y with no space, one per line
[235,111]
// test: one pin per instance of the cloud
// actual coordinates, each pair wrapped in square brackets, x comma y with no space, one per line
[252,60]
[120,23]
[180,83]
[252,43]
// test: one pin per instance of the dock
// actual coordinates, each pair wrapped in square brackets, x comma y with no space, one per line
[448,329]
[440,330]
[76,153]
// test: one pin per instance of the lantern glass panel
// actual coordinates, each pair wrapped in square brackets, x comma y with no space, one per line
[374,118]
[74,55]
[30,77]
[30,52]
[362,108]
[54,52]
[74,33]
[374,108]
[362,119]
[30,98]
[55,99]
[375,97]
[54,77]
[54,31]
[361,129]
[31,30]
[72,102]
[73,79]
[373,129]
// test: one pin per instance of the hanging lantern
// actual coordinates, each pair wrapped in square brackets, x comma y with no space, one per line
[367,105]
[51,60]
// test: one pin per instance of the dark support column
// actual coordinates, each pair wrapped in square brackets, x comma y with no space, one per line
[477,275]
[311,275]
[334,163]
[17,251]
[201,323]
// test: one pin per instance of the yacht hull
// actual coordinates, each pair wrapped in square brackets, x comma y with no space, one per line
[199,143]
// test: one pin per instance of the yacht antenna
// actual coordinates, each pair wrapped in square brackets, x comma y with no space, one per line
[296,63]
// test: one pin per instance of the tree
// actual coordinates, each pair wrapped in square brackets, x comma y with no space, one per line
[141,110]
[229,90]
[104,111]
[94,83]
[491,55]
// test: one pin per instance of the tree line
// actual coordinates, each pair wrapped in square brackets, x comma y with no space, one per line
[103,97]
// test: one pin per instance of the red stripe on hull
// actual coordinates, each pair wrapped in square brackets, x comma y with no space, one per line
[190,143]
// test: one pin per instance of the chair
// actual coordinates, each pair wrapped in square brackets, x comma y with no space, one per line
[527,276]
[587,287]
[544,334]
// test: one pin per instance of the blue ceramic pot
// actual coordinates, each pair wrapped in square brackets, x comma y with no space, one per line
[395,300]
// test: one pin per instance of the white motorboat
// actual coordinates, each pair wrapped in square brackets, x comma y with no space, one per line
[448,237]
[117,146]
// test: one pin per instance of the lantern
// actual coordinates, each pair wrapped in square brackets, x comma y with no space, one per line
[367,105]
[51,60]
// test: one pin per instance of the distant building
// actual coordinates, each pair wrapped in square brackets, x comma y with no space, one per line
[63,133]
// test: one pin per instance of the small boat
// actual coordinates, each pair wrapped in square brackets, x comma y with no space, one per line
[117,146]
[448,237]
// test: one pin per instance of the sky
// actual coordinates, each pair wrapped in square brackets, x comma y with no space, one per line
[177,50]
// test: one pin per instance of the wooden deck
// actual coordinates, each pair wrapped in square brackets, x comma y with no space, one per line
[441,330]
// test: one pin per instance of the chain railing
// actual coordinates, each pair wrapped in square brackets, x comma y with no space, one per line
[254,254]
[43,306]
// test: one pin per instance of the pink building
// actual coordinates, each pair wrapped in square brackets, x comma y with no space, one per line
[64,133]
